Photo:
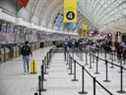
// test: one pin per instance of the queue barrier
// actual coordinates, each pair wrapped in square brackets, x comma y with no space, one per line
[44,66]
[107,72]
[95,81]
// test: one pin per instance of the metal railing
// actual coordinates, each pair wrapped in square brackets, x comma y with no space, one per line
[70,61]
[44,67]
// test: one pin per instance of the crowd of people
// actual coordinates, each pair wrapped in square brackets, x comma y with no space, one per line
[105,45]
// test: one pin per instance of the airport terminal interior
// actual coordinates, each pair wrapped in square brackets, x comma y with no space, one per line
[62,47]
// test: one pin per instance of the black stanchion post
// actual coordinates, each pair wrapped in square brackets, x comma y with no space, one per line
[106,65]
[93,57]
[105,55]
[112,60]
[42,72]
[83,91]
[47,61]
[94,86]
[86,58]
[75,72]
[90,61]
[121,81]
[45,67]
[40,85]
[67,57]
[69,62]
[97,71]
[70,66]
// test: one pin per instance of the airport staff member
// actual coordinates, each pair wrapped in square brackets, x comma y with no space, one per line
[26,52]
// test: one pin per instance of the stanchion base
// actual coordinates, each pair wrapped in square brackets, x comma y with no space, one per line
[83,92]
[74,80]
[121,91]
[96,73]
[106,81]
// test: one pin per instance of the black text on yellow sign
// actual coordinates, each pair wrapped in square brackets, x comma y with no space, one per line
[70,11]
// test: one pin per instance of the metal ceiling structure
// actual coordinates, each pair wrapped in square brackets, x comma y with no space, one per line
[105,15]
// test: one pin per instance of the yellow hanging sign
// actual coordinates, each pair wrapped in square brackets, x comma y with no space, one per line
[70,11]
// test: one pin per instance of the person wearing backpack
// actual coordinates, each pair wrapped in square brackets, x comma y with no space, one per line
[26,52]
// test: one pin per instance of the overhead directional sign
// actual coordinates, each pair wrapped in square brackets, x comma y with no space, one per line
[70,11]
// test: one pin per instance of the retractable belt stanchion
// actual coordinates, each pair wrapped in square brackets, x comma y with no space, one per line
[42,72]
[45,67]
[93,58]
[112,59]
[40,85]
[121,81]
[83,91]
[86,58]
[70,63]
[94,86]
[90,61]
[42,76]
[75,71]
[97,71]
[106,64]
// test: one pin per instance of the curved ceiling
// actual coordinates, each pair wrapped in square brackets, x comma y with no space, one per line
[104,15]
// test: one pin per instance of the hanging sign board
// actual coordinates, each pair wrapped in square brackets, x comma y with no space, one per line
[70,11]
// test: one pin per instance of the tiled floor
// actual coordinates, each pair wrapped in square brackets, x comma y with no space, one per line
[12,79]
[14,82]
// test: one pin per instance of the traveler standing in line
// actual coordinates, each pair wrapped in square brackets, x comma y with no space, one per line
[26,52]
[65,48]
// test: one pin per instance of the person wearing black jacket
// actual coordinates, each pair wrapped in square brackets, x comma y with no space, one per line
[26,52]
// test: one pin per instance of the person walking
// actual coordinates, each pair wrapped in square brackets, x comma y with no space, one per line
[26,52]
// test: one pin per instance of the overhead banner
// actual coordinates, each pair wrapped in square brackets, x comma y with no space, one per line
[70,11]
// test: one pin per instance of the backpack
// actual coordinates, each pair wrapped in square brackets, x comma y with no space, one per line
[25,50]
